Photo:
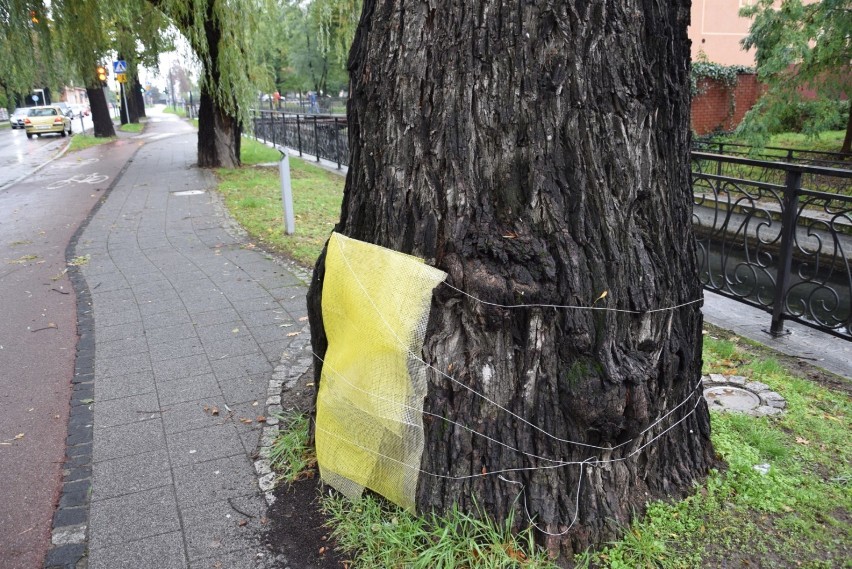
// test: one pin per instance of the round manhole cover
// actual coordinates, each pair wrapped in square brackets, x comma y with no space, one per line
[731,398]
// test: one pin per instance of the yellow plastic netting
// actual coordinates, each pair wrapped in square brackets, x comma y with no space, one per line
[369,428]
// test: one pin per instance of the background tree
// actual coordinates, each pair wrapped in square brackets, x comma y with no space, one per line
[539,154]
[800,46]
[28,36]
[306,48]
[220,35]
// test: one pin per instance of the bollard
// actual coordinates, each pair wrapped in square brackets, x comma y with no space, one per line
[82,125]
[287,194]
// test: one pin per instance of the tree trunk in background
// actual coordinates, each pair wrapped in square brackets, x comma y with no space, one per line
[219,132]
[218,135]
[130,113]
[847,140]
[136,91]
[101,118]
[538,153]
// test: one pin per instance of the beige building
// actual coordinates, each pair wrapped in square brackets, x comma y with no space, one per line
[716,30]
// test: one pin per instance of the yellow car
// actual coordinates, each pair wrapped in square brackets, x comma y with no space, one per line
[41,120]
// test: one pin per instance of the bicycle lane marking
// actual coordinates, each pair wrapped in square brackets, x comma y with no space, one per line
[93,178]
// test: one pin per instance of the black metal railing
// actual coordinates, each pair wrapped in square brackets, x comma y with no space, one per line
[784,247]
[321,136]
[764,230]
[811,180]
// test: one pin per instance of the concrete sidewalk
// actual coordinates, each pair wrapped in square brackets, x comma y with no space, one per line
[189,324]
[814,347]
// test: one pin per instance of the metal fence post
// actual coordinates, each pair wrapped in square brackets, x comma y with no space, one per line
[254,123]
[299,134]
[316,140]
[793,184]
[337,142]
[272,126]
[284,129]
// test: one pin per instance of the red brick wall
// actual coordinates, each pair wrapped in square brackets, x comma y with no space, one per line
[719,107]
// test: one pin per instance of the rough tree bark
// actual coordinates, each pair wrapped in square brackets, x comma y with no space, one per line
[219,132]
[538,153]
[101,119]
[136,91]
[219,135]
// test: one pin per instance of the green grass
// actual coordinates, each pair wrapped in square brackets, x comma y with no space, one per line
[83,141]
[379,535]
[291,456]
[795,515]
[179,111]
[132,127]
[253,196]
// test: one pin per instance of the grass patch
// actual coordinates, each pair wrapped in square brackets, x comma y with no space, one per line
[291,456]
[83,141]
[131,127]
[253,196]
[381,535]
[179,111]
[795,515]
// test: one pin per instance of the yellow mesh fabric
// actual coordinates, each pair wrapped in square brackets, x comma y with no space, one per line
[369,429]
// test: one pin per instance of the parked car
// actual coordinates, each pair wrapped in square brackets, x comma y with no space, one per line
[42,120]
[17,118]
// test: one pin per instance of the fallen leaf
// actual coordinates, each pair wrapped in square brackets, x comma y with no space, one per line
[264,521]
[802,441]
[303,319]
[254,404]
[245,420]
[242,523]
[260,419]
[18,437]
[236,330]
[214,411]
[87,401]
[602,296]
[292,334]
[322,550]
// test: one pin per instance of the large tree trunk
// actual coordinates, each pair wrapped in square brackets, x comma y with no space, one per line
[129,112]
[538,153]
[219,132]
[136,92]
[101,118]
[219,135]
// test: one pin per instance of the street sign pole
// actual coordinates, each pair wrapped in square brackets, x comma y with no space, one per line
[124,98]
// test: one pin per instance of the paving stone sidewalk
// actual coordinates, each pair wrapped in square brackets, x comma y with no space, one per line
[189,324]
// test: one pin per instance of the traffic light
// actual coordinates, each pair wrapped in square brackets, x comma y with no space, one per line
[101,73]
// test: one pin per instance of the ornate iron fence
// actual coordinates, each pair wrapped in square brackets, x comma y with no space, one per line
[321,136]
[780,247]
[764,230]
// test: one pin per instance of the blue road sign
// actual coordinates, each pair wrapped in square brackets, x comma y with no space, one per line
[119,66]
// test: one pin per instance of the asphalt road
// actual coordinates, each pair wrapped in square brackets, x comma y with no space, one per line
[20,156]
[38,216]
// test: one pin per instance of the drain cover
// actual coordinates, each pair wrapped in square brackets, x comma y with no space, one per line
[189,193]
[732,398]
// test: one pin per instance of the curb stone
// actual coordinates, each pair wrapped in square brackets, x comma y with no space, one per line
[293,365]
